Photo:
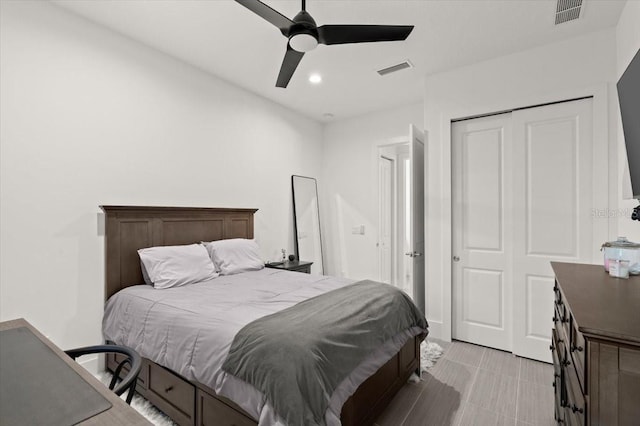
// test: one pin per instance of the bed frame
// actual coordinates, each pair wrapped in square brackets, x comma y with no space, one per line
[130,228]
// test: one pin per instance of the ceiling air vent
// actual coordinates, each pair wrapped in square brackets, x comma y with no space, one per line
[394,68]
[568,10]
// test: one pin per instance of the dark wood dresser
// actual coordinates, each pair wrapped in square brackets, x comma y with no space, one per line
[595,346]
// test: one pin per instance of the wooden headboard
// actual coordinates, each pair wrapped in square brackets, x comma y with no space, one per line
[129,228]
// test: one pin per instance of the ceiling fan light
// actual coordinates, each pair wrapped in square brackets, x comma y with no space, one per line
[303,42]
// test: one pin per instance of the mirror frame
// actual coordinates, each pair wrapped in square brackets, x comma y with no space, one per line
[295,218]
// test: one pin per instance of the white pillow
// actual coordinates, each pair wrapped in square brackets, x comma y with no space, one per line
[174,266]
[235,255]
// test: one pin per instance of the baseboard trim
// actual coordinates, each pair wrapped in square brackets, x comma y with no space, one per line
[91,364]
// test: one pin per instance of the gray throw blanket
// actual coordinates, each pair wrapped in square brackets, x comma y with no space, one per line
[297,357]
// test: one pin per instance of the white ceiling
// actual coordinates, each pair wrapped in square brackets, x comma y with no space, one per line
[229,41]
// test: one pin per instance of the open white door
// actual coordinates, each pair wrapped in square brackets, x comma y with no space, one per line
[416,152]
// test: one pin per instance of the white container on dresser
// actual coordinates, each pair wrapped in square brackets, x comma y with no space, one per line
[595,346]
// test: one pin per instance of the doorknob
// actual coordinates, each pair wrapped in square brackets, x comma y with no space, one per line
[456,259]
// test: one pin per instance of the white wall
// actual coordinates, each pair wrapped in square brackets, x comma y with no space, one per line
[627,45]
[349,187]
[577,67]
[88,118]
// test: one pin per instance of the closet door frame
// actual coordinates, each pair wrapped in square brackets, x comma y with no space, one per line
[604,178]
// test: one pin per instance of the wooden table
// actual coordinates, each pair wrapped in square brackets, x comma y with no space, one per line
[119,412]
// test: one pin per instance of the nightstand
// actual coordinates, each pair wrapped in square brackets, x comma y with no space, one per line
[297,266]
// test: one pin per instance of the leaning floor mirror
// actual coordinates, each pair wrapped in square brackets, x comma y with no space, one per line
[306,222]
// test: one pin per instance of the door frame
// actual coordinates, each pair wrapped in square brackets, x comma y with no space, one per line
[418,138]
[393,207]
[605,165]
[375,153]
[389,143]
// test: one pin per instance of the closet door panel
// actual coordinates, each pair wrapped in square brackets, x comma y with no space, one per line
[553,154]
[482,231]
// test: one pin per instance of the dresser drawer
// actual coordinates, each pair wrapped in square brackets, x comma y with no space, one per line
[556,318]
[565,327]
[560,308]
[178,395]
[578,348]
[573,418]
[558,411]
[213,412]
[557,350]
[575,412]
[559,392]
[562,324]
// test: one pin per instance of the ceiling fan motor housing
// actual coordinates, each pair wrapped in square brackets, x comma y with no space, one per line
[303,34]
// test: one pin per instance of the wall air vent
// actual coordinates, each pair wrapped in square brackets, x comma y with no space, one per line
[394,68]
[568,10]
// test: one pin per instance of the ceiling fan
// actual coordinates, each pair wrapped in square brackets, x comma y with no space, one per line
[304,35]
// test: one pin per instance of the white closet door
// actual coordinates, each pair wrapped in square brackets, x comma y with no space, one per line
[553,156]
[522,197]
[482,233]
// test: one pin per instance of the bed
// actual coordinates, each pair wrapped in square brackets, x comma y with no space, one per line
[192,402]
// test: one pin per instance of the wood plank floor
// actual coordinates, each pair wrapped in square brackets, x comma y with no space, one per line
[474,385]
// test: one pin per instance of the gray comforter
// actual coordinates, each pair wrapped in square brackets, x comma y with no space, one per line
[340,329]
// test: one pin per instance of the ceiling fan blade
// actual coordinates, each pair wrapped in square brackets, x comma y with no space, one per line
[269,14]
[342,34]
[291,60]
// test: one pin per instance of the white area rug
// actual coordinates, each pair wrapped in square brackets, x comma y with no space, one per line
[429,354]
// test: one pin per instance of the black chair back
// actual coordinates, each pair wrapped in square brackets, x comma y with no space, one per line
[132,359]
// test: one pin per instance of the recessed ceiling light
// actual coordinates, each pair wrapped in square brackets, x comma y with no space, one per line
[315,78]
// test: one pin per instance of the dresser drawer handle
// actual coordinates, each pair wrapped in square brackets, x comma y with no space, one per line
[565,320]
[576,409]
[566,363]
[551,347]
[577,348]
[169,389]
